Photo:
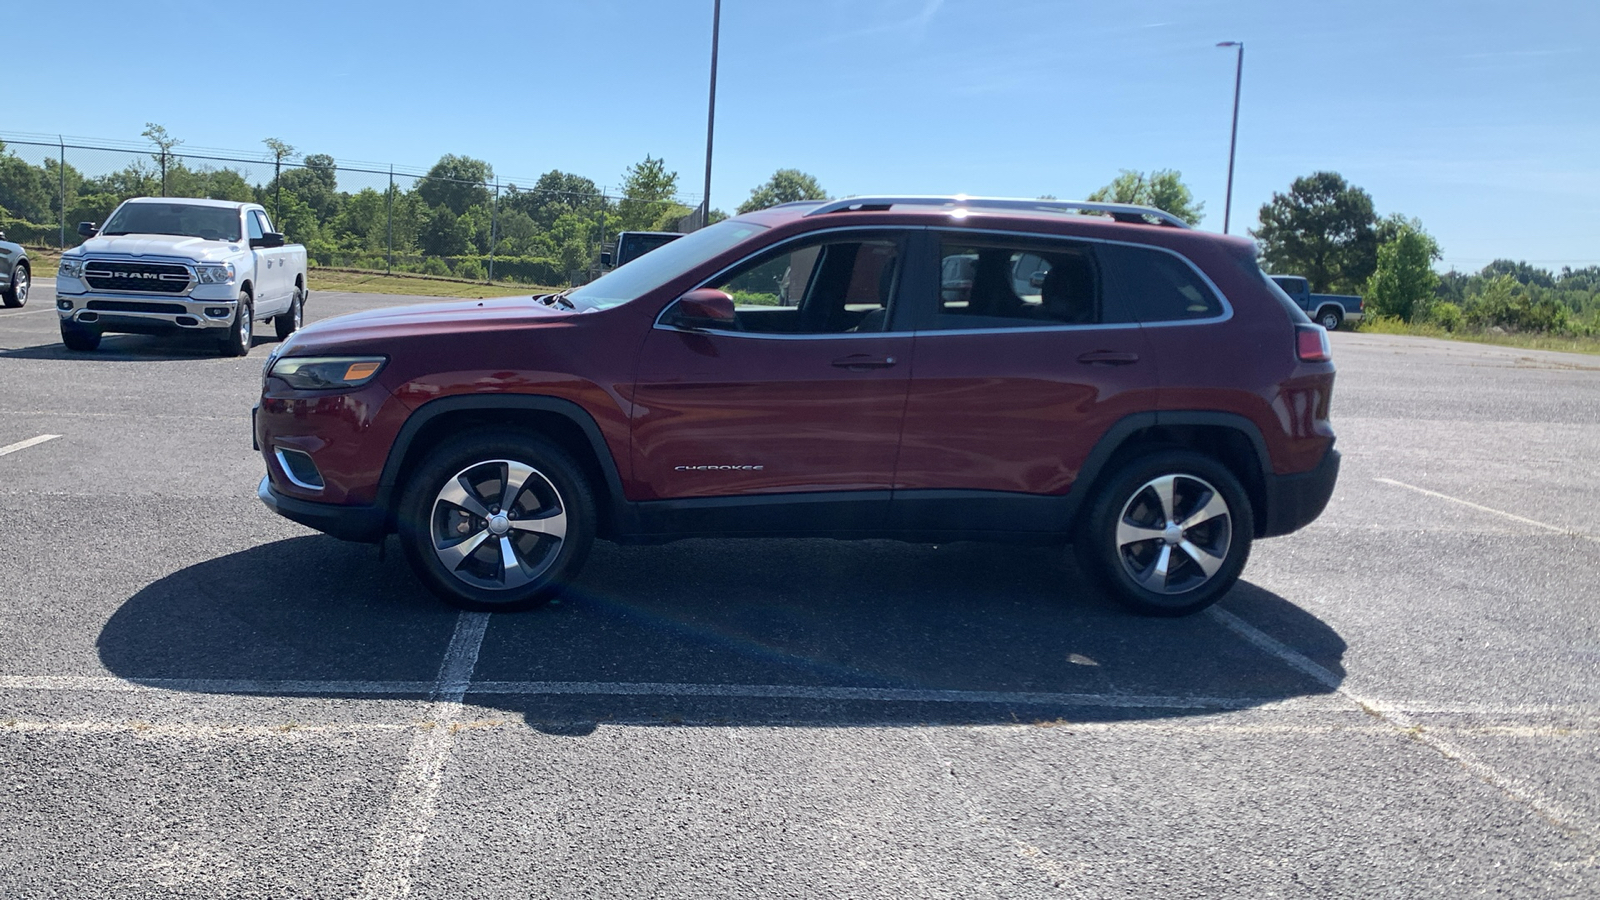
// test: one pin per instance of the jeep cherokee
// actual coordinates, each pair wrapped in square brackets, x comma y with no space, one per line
[1100,375]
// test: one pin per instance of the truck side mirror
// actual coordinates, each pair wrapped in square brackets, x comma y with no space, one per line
[605,258]
[267,241]
[702,308]
[88,229]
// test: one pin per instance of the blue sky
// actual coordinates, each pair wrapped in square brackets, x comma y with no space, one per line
[1481,119]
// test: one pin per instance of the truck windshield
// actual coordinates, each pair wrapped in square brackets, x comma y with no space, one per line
[212,223]
[659,266]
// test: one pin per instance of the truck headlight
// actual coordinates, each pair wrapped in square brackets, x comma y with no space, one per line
[323,373]
[71,267]
[213,273]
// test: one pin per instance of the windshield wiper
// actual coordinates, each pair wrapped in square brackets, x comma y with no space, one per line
[553,299]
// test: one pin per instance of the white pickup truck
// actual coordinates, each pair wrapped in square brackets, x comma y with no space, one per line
[161,265]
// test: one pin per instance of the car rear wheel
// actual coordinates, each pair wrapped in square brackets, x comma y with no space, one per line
[79,337]
[289,322]
[1168,534]
[1330,319]
[497,520]
[17,294]
[241,334]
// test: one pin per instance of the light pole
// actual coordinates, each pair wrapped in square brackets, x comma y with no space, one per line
[711,111]
[1233,143]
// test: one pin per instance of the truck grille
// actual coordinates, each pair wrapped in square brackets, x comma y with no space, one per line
[151,278]
[174,309]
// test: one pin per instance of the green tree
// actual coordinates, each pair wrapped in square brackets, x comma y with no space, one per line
[456,183]
[165,144]
[1404,280]
[444,233]
[1323,228]
[1163,189]
[23,191]
[554,194]
[785,186]
[648,190]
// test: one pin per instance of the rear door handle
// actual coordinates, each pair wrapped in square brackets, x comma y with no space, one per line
[1108,358]
[861,362]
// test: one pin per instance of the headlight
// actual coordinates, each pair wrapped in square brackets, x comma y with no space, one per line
[214,273]
[71,267]
[323,373]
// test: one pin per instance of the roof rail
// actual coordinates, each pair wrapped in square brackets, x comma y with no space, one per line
[1121,212]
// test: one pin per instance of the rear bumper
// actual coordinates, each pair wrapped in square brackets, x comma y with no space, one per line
[362,524]
[1294,501]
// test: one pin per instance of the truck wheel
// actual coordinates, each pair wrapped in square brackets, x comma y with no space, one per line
[241,334]
[496,520]
[1330,318]
[17,294]
[288,323]
[79,337]
[1168,533]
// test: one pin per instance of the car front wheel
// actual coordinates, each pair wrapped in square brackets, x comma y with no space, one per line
[1168,534]
[497,520]
[17,294]
[241,334]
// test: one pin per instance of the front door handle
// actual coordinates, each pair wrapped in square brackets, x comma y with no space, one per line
[1108,358]
[861,362]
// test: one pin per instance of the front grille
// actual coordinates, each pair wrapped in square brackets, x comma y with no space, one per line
[171,309]
[148,278]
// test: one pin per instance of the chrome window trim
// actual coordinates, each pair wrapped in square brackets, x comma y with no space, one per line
[1227,307]
[767,335]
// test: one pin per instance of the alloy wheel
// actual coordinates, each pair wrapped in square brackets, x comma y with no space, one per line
[1173,534]
[498,524]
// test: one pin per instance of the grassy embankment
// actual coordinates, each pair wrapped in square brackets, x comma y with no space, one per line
[1522,340]
[46,260]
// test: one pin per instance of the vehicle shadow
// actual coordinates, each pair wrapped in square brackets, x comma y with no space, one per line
[719,632]
[132,348]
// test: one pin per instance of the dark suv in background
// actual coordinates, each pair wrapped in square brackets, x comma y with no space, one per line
[1141,391]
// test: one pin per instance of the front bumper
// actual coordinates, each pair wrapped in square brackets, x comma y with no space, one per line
[145,313]
[362,524]
[1294,501]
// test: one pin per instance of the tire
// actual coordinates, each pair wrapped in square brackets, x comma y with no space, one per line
[288,323]
[1125,534]
[17,294]
[241,334]
[79,337]
[1330,319]
[452,516]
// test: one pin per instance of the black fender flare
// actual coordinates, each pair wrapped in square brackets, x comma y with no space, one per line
[433,409]
[1105,450]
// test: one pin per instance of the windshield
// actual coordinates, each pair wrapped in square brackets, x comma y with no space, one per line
[648,272]
[212,223]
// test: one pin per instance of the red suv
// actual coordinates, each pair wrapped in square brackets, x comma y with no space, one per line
[1116,380]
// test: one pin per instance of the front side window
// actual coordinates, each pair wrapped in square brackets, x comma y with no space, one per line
[986,283]
[265,223]
[253,223]
[829,287]
[659,266]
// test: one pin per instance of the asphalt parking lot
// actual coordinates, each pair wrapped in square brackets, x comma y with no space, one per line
[200,699]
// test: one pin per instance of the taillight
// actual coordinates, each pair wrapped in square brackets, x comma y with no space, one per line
[1311,343]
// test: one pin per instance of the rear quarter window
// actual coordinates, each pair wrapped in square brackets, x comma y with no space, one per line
[1157,286]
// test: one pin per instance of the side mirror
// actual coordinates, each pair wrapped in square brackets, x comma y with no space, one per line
[702,308]
[267,241]
[605,258]
[88,229]
[2,235]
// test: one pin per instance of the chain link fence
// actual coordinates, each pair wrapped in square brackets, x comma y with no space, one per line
[360,217]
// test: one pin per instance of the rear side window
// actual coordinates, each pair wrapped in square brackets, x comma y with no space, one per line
[996,283]
[1157,286]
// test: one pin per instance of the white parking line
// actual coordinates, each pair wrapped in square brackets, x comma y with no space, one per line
[404,828]
[30,442]
[1511,787]
[1489,509]
[25,312]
